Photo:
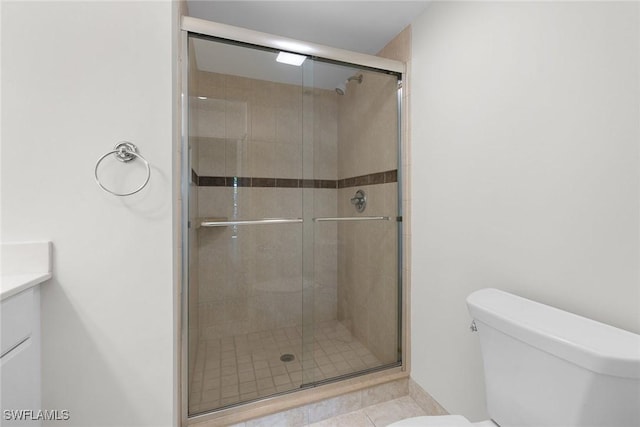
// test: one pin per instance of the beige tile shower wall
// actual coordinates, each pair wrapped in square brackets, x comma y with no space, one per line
[254,128]
[325,240]
[325,251]
[367,271]
[399,48]
[367,251]
[325,134]
[250,277]
[367,126]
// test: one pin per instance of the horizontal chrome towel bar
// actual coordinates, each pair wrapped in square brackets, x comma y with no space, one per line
[294,220]
[355,218]
[250,222]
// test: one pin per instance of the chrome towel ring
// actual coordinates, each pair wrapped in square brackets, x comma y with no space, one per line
[125,152]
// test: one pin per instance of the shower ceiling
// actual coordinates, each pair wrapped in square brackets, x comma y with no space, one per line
[360,26]
[247,64]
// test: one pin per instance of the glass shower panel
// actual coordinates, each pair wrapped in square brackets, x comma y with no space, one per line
[246,199]
[293,243]
[356,278]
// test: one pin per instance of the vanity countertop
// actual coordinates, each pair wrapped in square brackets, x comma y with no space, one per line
[16,283]
[24,264]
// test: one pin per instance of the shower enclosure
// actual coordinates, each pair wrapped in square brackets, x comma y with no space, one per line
[292,222]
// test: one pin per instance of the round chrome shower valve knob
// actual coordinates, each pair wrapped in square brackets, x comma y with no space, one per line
[359,201]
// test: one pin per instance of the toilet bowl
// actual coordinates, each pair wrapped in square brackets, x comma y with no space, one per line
[441,421]
[544,367]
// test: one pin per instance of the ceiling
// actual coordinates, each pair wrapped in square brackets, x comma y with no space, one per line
[361,26]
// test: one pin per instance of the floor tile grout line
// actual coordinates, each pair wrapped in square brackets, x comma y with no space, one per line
[369,418]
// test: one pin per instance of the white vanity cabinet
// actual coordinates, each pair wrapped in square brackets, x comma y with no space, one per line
[20,360]
[24,267]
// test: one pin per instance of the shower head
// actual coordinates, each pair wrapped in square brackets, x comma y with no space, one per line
[341,89]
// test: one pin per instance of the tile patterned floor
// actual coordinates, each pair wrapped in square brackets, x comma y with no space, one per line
[246,367]
[379,415]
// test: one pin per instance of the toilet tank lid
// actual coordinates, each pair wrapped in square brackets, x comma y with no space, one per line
[585,342]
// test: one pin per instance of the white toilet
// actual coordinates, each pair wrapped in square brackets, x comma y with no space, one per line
[546,367]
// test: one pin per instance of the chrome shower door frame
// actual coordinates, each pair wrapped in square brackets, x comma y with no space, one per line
[190,25]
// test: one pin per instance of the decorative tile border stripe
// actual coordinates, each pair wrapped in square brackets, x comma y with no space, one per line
[370,179]
[241,181]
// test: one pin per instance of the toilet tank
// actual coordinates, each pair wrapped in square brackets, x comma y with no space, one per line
[546,367]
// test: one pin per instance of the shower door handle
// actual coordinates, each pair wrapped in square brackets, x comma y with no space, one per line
[251,222]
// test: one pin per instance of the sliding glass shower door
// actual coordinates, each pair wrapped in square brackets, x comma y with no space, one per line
[293,223]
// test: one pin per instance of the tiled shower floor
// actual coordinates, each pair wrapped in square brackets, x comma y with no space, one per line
[245,367]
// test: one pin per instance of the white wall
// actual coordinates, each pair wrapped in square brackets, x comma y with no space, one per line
[77,77]
[526,125]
